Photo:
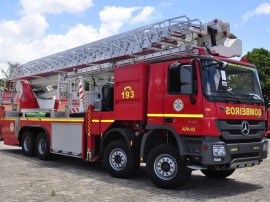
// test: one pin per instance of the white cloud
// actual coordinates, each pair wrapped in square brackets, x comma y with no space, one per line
[113,18]
[78,35]
[262,9]
[24,39]
[18,50]
[144,15]
[55,6]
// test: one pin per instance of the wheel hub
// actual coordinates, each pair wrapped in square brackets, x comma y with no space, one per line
[165,166]
[42,146]
[26,144]
[118,159]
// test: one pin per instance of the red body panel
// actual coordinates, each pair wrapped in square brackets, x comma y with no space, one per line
[130,94]
[26,97]
[8,132]
[156,94]
[100,122]
[209,119]
[268,120]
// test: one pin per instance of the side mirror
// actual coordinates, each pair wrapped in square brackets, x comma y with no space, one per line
[186,79]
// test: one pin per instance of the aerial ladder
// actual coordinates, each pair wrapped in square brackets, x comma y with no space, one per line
[69,73]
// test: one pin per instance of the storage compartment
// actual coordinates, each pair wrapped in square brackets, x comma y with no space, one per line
[67,138]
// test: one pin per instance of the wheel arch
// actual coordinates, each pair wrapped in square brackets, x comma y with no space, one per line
[123,134]
[151,136]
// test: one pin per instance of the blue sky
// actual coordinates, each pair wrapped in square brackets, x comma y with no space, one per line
[30,29]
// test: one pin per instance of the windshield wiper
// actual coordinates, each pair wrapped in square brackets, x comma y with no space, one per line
[221,65]
[226,92]
[257,97]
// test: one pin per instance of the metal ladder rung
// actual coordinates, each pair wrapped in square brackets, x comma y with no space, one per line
[148,57]
[168,44]
[156,49]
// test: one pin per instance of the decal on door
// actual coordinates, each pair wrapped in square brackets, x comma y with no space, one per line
[189,129]
[128,93]
[178,105]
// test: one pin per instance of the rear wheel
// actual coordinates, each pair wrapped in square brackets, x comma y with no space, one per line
[28,144]
[43,146]
[119,161]
[165,168]
[217,174]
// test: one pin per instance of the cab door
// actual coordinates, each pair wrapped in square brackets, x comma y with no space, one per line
[183,108]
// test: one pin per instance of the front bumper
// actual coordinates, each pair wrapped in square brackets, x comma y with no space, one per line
[238,155]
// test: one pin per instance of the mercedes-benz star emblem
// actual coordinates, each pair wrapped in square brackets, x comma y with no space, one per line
[245,128]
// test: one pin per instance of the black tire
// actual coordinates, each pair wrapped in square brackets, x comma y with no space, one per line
[119,161]
[28,144]
[43,146]
[217,174]
[165,167]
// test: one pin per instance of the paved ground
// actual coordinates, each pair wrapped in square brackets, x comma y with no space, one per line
[67,179]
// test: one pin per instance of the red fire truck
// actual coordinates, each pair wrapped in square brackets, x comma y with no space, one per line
[165,94]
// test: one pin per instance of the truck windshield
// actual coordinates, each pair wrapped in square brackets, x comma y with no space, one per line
[230,83]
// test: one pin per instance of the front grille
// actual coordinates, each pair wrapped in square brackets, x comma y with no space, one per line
[232,129]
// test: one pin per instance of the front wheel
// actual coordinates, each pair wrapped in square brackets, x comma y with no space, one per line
[165,168]
[43,146]
[119,161]
[217,174]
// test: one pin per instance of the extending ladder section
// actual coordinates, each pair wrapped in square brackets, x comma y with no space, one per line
[145,40]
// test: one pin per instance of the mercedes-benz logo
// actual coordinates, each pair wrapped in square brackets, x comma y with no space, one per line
[245,128]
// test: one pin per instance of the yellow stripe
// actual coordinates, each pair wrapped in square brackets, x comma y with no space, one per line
[177,115]
[102,121]
[58,120]
[107,121]
[8,119]
[53,120]
[184,115]
[155,115]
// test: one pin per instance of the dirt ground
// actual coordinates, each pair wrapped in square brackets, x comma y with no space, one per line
[68,179]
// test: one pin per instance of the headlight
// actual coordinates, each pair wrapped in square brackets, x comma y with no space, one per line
[219,150]
[265,147]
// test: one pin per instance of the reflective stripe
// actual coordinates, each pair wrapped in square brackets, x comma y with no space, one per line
[58,120]
[102,121]
[8,119]
[52,120]
[177,115]
[107,121]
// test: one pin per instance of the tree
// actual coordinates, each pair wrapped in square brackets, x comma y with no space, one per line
[8,73]
[261,59]
[5,83]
